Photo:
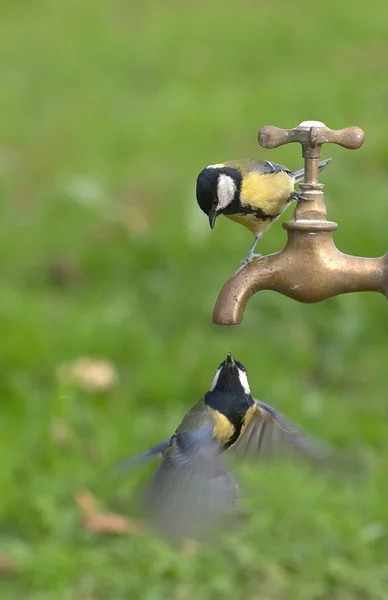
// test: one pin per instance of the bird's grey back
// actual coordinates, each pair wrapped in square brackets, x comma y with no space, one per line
[266,166]
[198,416]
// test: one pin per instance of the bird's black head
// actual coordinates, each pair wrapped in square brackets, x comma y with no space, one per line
[218,191]
[230,395]
[231,377]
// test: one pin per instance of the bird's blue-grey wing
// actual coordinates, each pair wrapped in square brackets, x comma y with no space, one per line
[269,435]
[266,166]
[139,459]
[190,493]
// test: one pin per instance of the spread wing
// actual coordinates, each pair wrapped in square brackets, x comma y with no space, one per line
[190,492]
[270,435]
[197,417]
[139,459]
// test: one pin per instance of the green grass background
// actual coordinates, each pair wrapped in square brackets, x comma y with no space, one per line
[109,109]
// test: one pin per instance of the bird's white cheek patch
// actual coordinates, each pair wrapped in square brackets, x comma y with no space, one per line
[226,189]
[244,381]
[215,379]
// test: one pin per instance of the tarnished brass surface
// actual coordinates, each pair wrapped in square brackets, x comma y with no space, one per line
[311,137]
[310,268]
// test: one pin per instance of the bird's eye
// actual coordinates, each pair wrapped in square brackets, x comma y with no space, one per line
[215,202]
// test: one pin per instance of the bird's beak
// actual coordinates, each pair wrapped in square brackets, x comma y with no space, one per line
[229,359]
[212,217]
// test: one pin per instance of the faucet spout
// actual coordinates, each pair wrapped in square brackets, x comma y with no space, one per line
[309,269]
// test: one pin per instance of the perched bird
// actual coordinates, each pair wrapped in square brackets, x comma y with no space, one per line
[251,192]
[191,494]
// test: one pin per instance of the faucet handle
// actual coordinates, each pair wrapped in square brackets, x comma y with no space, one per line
[311,135]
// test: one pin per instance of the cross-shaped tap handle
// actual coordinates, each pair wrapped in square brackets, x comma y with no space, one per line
[311,135]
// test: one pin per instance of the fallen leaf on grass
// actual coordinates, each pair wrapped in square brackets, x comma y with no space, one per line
[59,433]
[86,502]
[62,272]
[100,521]
[106,522]
[96,519]
[189,547]
[90,374]
[7,565]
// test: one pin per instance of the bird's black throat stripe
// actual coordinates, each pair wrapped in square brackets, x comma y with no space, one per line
[232,406]
[237,430]
[242,209]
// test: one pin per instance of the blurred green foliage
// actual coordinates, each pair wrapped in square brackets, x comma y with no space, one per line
[109,109]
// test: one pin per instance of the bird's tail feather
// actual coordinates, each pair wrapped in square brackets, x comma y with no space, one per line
[299,174]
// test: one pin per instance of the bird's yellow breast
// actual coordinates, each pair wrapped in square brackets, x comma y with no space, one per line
[248,417]
[270,192]
[250,221]
[223,429]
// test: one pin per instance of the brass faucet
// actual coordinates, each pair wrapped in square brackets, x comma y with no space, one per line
[310,268]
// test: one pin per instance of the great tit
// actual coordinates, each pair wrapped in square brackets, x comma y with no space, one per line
[251,192]
[191,493]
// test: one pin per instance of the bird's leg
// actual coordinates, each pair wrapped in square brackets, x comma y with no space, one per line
[298,196]
[250,255]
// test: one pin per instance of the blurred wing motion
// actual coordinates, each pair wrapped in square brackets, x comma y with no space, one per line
[270,435]
[135,461]
[190,494]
